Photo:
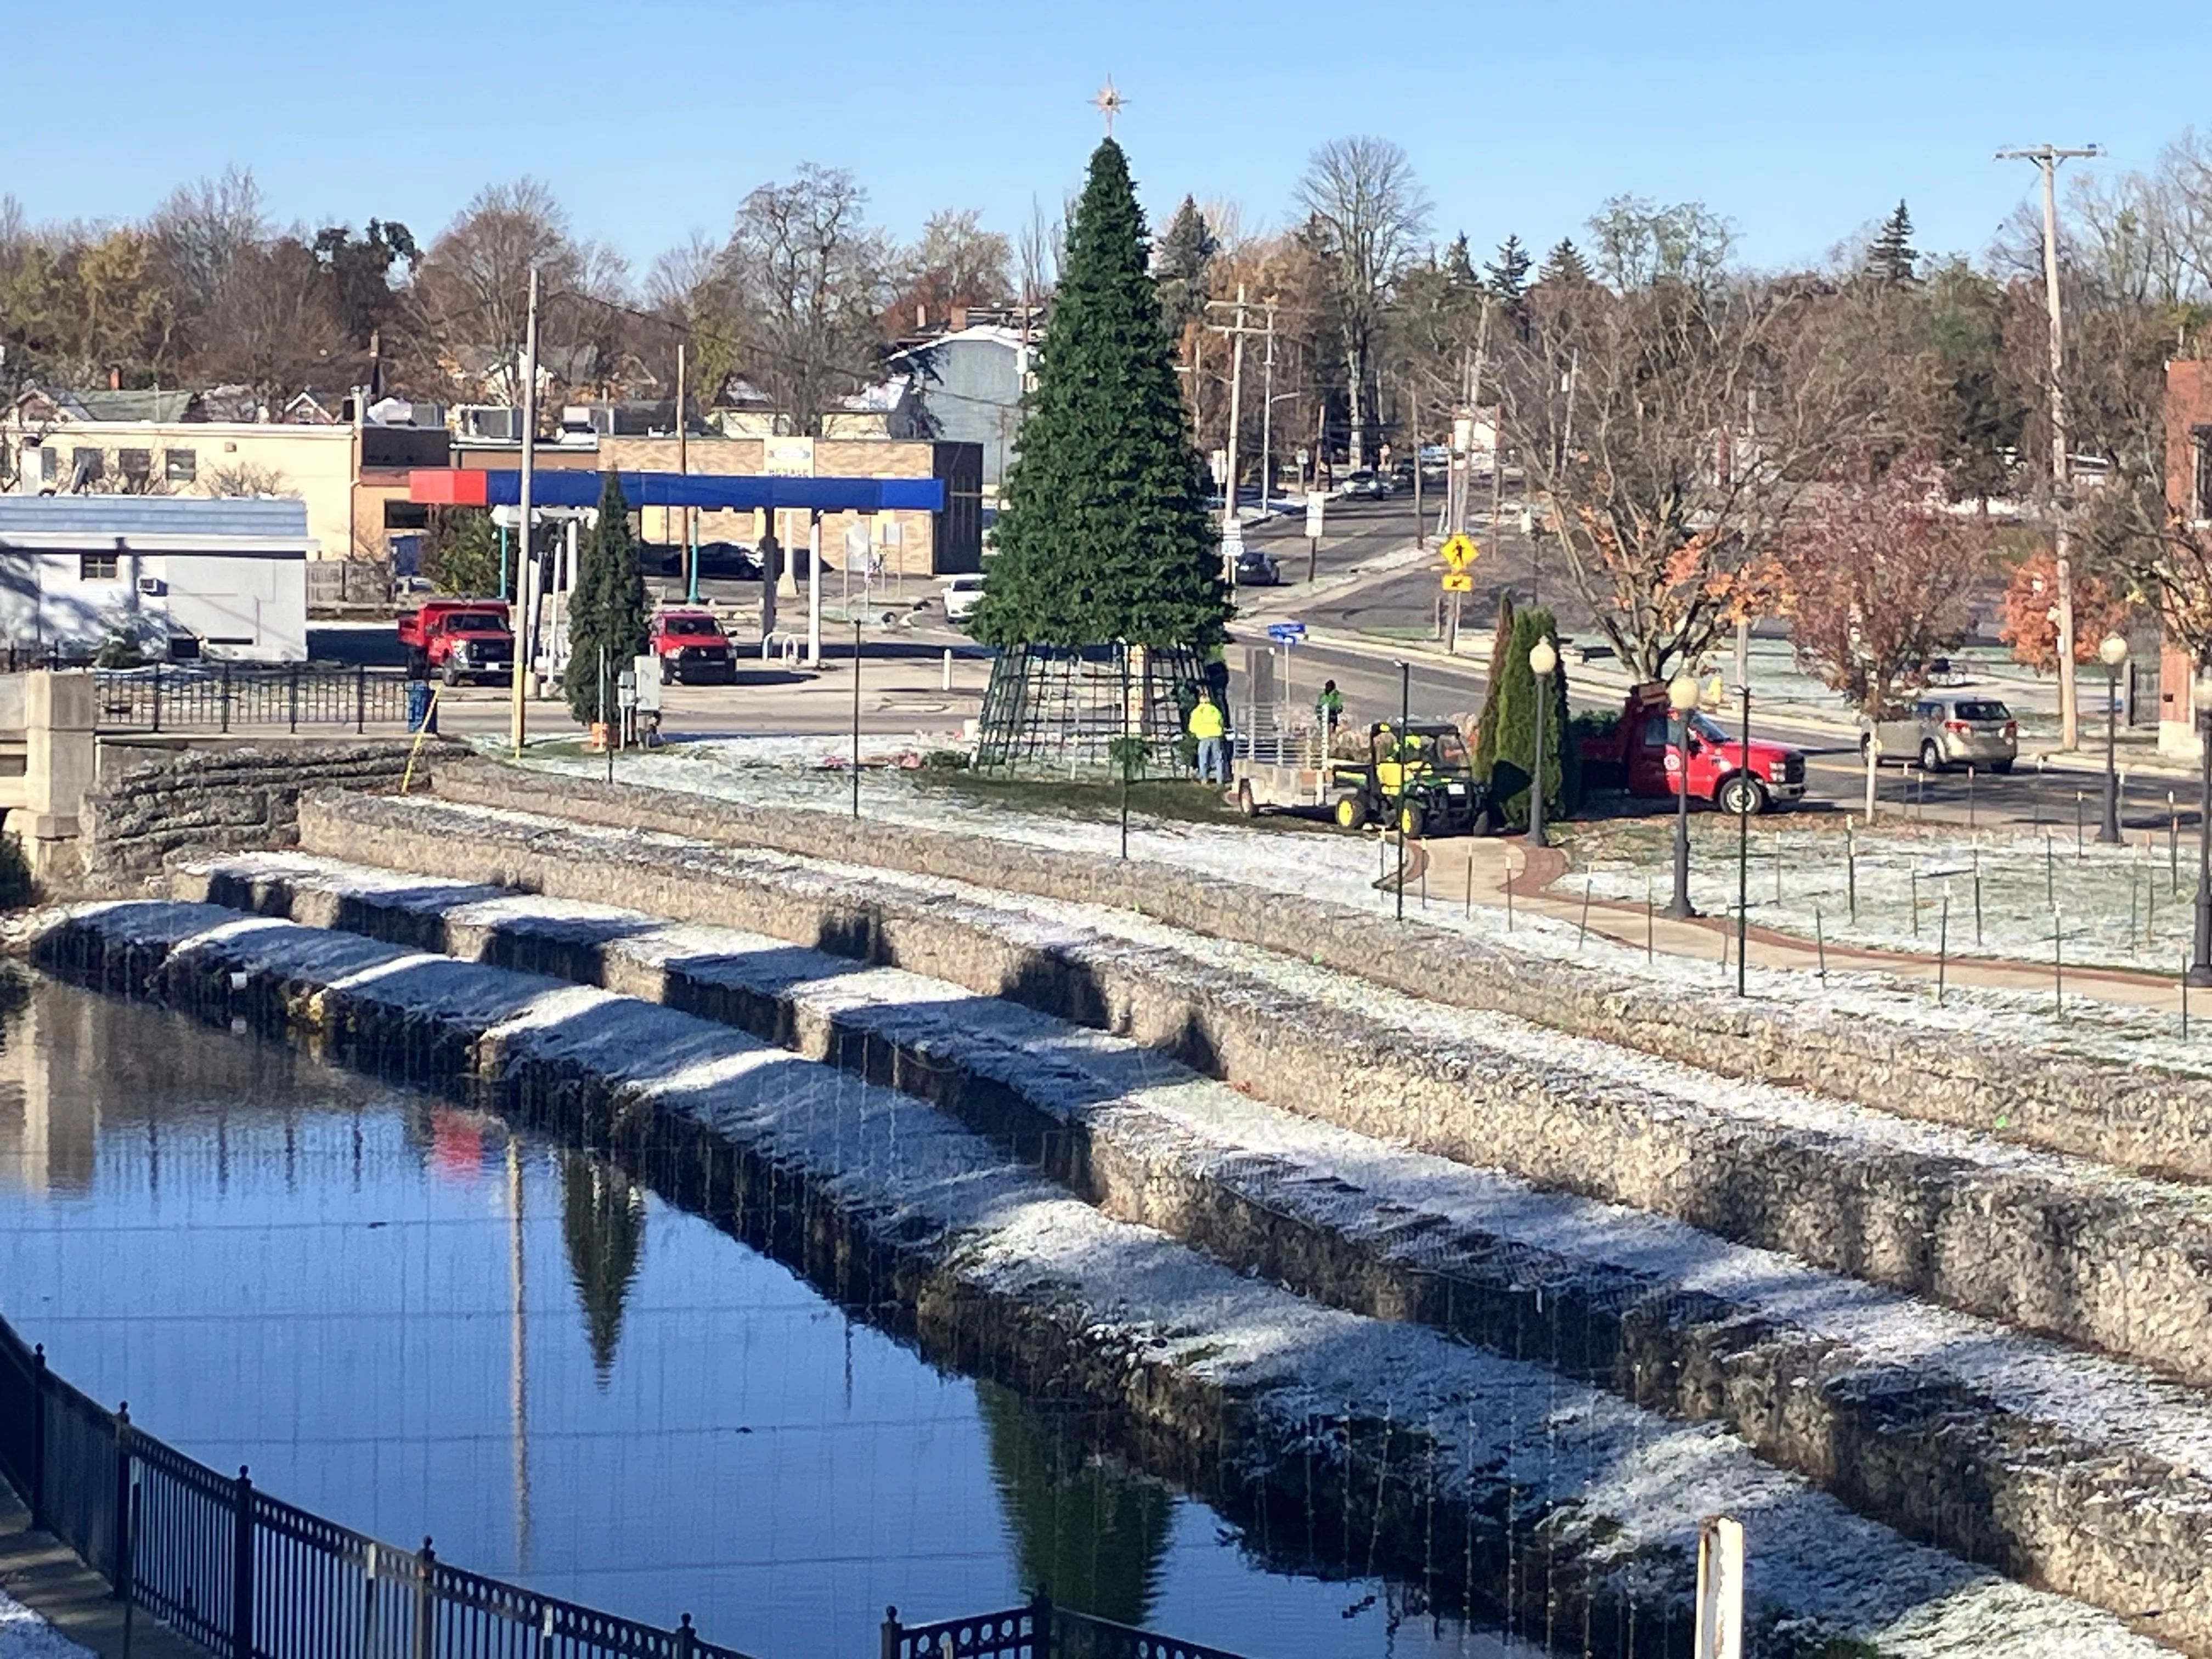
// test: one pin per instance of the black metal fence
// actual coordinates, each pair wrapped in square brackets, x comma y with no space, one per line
[1035,1629]
[249,1576]
[225,696]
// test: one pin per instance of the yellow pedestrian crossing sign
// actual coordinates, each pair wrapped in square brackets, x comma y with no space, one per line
[1458,582]
[1460,551]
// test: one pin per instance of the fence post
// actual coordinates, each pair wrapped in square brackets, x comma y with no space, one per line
[157,696]
[890,1648]
[360,698]
[225,696]
[292,695]
[426,1602]
[38,1437]
[119,1580]
[242,1573]
[1041,1626]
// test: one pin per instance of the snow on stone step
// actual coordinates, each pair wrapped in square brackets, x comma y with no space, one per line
[1496,1426]
[2056,1432]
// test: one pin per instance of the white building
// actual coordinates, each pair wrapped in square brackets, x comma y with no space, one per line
[224,578]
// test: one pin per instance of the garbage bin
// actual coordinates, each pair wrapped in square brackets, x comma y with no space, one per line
[422,711]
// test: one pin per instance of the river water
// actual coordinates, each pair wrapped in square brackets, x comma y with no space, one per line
[407,1319]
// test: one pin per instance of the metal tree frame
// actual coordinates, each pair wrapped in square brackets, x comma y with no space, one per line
[1062,708]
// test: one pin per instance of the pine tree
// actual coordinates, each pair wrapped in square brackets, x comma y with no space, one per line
[1181,263]
[607,608]
[1508,274]
[1104,534]
[1459,264]
[1891,258]
[1501,644]
[1564,264]
[1514,696]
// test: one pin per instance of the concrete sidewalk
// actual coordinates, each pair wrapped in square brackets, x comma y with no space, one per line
[1463,870]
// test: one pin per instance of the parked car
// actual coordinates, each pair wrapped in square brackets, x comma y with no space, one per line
[1256,568]
[962,595]
[1637,753]
[1364,485]
[691,646]
[1948,728]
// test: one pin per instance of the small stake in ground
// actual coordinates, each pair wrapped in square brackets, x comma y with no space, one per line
[1977,896]
[2078,799]
[1943,945]
[1777,867]
[2058,964]
[1820,944]
[1851,869]
[1509,892]
[1469,910]
[2173,847]
[2037,796]
[1916,901]
[2184,1001]
[1582,928]
[1970,795]
[1650,943]
[2135,910]
[2050,876]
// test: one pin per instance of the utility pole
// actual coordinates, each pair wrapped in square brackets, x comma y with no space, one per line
[526,564]
[2047,157]
[684,465]
[1268,416]
[1232,534]
[1473,402]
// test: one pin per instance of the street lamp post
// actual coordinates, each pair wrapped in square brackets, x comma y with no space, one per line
[1542,659]
[2200,964]
[1682,698]
[2112,651]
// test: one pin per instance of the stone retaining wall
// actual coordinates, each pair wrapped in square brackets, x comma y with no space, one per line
[2124,1266]
[223,800]
[1897,1445]
[2137,1118]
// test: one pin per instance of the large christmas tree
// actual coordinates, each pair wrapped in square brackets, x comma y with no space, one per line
[1105,533]
[607,609]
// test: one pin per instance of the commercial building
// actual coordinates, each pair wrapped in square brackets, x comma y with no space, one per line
[221,579]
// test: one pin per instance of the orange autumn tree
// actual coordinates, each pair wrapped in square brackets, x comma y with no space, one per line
[1877,580]
[2030,622]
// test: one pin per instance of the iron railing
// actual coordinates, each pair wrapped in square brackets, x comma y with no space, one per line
[1035,1629]
[249,1576]
[228,697]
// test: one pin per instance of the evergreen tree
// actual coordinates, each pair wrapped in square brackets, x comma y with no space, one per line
[1105,533]
[1459,264]
[1181,263]
[1891,258]
[1508,273]
[1514,697]
[606,608]
[1564,264]
[1501,643]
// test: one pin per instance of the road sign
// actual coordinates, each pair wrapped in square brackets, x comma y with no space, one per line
[1460,551]
[1458,582]
[1316,508]
[1287,633]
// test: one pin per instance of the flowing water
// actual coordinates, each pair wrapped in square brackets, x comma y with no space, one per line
[405,1318]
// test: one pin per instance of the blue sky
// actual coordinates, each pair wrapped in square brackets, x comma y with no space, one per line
[651,119]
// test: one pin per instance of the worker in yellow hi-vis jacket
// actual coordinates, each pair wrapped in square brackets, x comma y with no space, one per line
[1207,727]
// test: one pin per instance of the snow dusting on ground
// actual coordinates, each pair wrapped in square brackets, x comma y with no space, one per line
[807,773]
[24,1635]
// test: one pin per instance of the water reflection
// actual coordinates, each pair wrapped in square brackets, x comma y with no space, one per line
[602,1224]
[408,1319]
[1087,1530]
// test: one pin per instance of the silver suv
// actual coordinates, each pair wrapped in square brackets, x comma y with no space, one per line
[1948,728]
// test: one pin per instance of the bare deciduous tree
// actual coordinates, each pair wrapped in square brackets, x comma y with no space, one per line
[1875,576]
[809,276]
[1367,216]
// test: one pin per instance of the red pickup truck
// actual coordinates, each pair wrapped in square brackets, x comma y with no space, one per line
[691,646]
[459,640]
[1638,755]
